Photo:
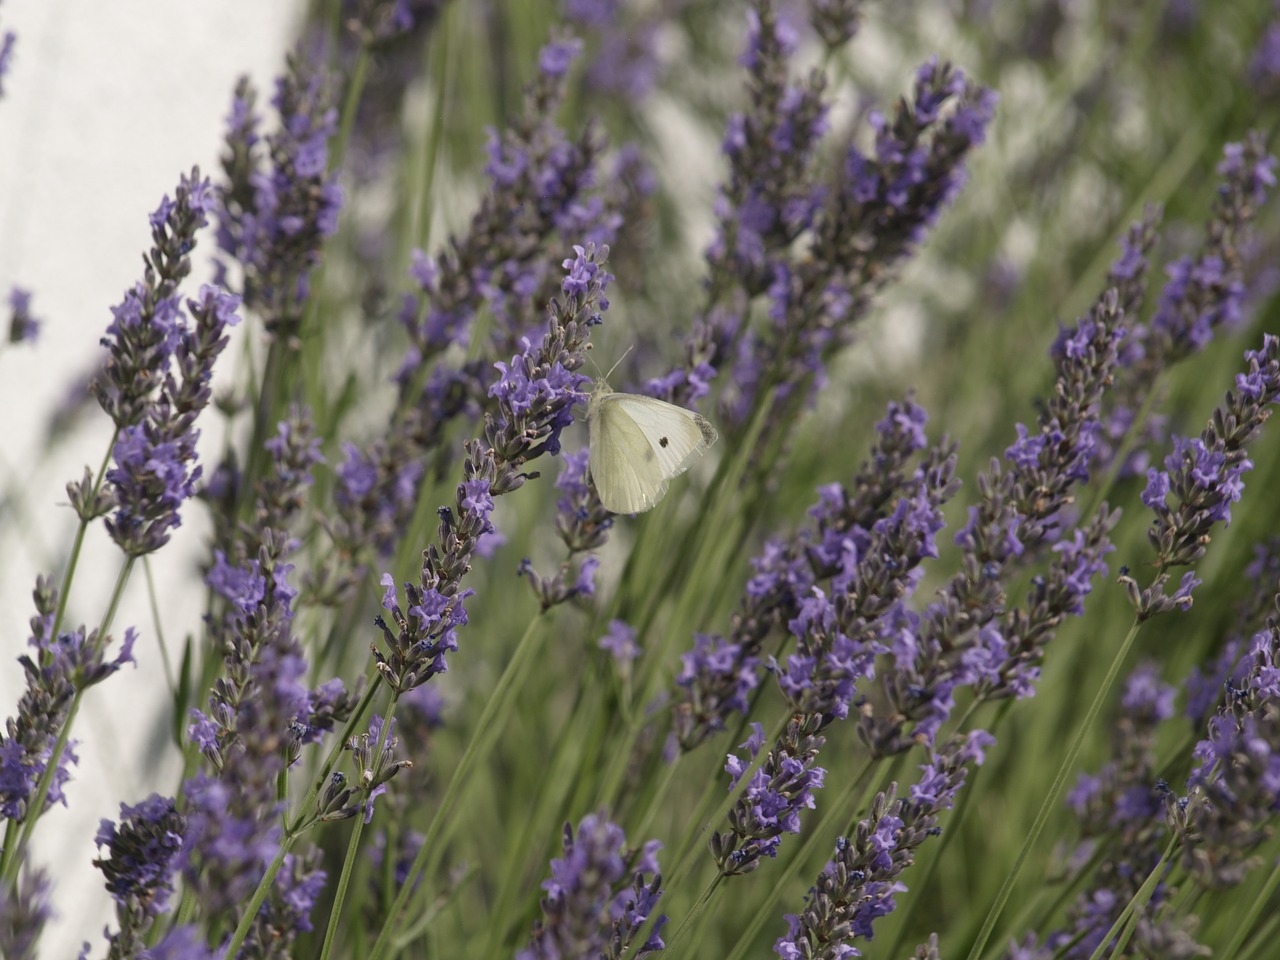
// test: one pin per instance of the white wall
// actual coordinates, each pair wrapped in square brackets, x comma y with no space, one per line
[105,105]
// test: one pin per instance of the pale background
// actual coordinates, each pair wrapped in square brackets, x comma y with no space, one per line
[104,107]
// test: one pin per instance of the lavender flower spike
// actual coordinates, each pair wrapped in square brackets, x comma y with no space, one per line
[597,898]
[535,395]
[779,789]
[1234,790]
[1204,476]
[140,863]
[858,885]
[57,670]
[277,210]
[144,330]
[24,911]
[7,41]
[150,479]
[23,325]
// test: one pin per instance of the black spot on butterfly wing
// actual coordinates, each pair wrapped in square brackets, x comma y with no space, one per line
[663,442]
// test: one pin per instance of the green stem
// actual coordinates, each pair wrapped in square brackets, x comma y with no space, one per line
[487,730]
[259,896]
[155,620]
[691,917]
[353,845]
[1245,923]
[79,541]
[1052,798]
[35,806]
[1129,916]
[318,781]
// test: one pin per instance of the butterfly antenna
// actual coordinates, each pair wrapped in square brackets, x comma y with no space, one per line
[620,359]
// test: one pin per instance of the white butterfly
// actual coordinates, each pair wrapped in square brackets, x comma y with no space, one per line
[638,444]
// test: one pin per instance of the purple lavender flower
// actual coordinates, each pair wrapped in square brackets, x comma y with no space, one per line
[182,943]
[541,183]
[581,520]
[769,198]
[141,860]
[260,715]
[1234,789]
[26,908]
[145,330]
[776,792]
[535,395]
[835,21]
[557,56]
[151,479]
[620,641]
[276,211]
[23,325]
[597,897]
[375,767]
[839,638]
[57,671]
[720,674]
[971,637]
[858,886]
[8,40]
[141,850]
[625,61]
[1264,69]
[582,523]
[1204,293]
[1203,476]
[879,212]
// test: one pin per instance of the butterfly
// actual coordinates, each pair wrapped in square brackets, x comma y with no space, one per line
[638,444]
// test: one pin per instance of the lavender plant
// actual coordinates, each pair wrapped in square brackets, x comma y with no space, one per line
[432,697]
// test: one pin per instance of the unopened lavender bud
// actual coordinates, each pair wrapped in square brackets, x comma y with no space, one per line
[88,505]
[333,803]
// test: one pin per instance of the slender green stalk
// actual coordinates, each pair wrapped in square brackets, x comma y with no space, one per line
[1122,930]
[1052,798]
[153,602]
[477,751]
[1246,921]
[353,844]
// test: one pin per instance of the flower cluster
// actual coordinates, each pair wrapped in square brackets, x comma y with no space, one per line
[141,860]
[837,641]
[1119,809]
[880,212]
[23,325]
[626,61]
[970,637]
[535,395]
[859,884]
[1204,293]
[597,897]
[541,197]
[719,673]
[780,786]
[25,909]
[151,479]
[277,209]
[1234,789]
[57,671]
[1203,476]
[260,715]
[147,324]
[583,525]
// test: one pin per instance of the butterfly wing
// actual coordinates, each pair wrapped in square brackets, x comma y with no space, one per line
[638,444]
